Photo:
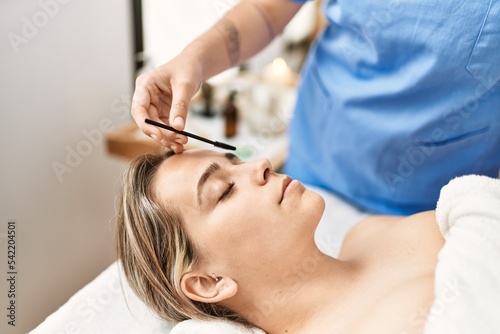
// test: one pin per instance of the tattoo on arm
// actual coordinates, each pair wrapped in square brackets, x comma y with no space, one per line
[232,39]
[269,25]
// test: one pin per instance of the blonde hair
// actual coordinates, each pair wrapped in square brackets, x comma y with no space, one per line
[154,249]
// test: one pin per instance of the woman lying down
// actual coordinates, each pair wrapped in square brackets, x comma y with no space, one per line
[203,235]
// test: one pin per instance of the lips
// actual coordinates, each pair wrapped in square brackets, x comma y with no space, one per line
[286,182]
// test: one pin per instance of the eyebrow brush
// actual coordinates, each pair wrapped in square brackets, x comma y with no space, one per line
[215,143]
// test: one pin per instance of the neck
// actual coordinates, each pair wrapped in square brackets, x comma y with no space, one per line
[289,301]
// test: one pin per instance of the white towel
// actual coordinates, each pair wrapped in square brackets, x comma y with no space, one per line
[105,305]
[467,281]
[212,327]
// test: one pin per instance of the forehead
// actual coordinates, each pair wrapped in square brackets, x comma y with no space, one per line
[189,157]
[176,179]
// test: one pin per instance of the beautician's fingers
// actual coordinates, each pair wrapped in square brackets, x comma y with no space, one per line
[143,106]
[177,148]
[182,92]
[149,101]
[140,104]
[163,95]
[169,137]
[177,145]
[180,139]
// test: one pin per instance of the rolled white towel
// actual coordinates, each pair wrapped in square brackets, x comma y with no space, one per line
[470,195]
[467,280]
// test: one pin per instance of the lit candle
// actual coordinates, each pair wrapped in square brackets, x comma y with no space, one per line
[279,73]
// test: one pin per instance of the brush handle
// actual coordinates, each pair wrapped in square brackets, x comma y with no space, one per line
[224,146]
[215,143]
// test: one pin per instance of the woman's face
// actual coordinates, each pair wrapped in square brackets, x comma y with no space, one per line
[239,215]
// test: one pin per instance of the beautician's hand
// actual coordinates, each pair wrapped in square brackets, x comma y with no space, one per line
[163,95]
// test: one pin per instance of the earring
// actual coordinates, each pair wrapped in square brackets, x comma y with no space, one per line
[215,277]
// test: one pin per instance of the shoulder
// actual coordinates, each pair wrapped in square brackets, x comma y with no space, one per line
[376,232]
[363,233]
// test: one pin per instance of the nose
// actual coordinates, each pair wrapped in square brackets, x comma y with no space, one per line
[261,169]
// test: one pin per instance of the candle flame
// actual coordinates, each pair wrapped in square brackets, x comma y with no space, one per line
[279,66]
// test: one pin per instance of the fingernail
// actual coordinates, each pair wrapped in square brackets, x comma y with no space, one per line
[178,123]
[173,148]
[155,137]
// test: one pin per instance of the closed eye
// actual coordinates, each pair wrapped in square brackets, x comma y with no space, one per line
[227,192]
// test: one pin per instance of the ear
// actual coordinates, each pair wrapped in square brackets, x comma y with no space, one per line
[201,287]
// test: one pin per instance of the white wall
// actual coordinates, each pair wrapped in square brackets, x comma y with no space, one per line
[170,25]
[67,76]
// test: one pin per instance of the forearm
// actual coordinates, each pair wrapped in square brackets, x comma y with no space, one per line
[240,34]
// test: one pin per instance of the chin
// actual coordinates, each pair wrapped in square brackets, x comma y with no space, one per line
[316,205]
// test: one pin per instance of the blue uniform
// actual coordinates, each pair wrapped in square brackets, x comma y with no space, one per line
[396,98]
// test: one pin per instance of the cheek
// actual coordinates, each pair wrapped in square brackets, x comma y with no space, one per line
[225,233]
[244,226]
[248,218]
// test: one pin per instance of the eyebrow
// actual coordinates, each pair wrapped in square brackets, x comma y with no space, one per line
[214,167]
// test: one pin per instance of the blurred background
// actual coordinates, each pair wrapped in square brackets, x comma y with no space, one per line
[67,72]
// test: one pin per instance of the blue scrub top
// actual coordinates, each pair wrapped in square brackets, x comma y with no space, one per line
[396,98]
